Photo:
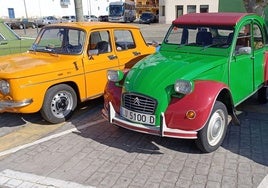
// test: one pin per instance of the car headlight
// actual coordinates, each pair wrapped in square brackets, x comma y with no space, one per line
[4,87]
[115,75]
[183,86]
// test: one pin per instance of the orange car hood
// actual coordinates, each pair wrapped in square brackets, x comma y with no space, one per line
[31,63]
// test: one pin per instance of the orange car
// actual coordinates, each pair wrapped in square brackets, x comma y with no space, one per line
[67,64]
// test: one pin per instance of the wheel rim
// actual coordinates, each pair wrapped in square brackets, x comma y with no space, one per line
[216,127]
[62,104]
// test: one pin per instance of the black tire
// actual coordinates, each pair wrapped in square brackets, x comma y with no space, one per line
[212,135]
[59,103]
[262,97]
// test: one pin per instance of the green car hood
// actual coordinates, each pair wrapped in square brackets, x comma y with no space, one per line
[156,74]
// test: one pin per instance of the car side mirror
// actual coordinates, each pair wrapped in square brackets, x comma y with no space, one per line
[244,50]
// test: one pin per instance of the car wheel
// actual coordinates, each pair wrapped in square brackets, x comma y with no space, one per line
[212,135]
[262,97]
[33,26]
[21,26]
[59,103]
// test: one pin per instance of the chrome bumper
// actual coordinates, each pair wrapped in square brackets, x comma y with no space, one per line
[162,130]
[9,105]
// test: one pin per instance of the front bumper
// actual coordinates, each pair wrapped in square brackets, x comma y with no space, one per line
[11,106]
[162,130]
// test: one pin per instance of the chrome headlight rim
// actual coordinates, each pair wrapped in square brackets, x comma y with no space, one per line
[4,87]
[183,86]
[115,75]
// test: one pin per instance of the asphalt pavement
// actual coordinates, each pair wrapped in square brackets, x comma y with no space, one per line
[87,151]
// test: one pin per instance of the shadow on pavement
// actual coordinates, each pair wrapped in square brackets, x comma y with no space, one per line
[250,139]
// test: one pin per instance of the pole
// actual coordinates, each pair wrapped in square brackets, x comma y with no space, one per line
[79,10]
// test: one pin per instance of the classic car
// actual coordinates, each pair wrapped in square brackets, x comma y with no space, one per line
[207,65]
[66,65]
[11,43]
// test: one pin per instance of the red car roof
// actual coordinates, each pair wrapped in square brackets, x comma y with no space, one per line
[224,19]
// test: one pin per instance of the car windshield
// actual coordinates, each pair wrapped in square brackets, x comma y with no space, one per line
[188,35]
[60,41]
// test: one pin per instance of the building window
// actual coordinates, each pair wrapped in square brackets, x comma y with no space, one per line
[191,8]
[203,8]
[163,13]
[179,10]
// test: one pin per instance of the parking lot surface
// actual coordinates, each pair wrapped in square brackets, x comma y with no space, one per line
[87,151]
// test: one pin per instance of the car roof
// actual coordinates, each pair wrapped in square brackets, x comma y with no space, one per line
[223,19]
[93,25]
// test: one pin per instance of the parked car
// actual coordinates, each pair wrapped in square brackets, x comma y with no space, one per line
[68,19]
[66,65]
[91,18]
[48,20]
[147,18]
[21,24]
[11,43]
[207,65]
[103,18]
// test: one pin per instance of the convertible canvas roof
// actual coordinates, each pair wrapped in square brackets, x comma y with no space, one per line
[223,19]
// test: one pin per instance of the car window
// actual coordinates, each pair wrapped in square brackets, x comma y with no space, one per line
[100,41]
[258,37]
[60,40]
[124,40]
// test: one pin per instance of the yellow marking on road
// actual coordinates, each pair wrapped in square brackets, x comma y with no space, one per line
[26,134]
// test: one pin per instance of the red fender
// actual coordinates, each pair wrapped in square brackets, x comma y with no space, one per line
[112,93]
[201,100]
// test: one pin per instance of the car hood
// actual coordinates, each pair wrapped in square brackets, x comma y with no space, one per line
[156,73]
[32,63]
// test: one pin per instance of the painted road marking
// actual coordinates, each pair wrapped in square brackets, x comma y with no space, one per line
[76,129]
[11,178]
[264,182]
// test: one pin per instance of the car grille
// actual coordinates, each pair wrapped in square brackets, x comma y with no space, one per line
[139,103]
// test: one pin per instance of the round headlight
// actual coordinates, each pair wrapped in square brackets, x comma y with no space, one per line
[115,75]
[183,86]
[4,87]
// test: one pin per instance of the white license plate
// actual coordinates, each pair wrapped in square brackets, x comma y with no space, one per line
[138,117]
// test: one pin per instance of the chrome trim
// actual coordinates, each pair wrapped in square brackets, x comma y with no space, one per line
[9,104]
[163,130]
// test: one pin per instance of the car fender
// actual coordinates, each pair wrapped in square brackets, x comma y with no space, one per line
[112,93]
[266,68]
[201,101]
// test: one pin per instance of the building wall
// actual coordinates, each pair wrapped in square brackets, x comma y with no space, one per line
[168,8]
[41,8]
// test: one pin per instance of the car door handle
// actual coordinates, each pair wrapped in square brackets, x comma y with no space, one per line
[136,53]
[111,57]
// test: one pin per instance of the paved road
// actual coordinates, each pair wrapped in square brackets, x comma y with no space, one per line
[88,152]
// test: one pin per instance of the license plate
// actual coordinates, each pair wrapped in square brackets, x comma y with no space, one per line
[138,117]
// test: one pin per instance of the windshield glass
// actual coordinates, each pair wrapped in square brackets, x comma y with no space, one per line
[60,41]
[212,36]
[116,10]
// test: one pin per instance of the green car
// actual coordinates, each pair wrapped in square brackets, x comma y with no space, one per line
[10,42]
[208,63]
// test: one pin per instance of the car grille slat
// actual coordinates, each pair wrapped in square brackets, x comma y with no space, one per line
[139,103]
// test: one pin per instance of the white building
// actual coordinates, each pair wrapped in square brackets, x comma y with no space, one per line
[57,8]
[171,9]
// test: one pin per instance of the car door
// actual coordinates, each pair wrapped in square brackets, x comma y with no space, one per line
[242,64]
[100,57]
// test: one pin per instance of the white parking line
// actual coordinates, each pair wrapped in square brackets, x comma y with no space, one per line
[15,149]
[264,182]
[11,178]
